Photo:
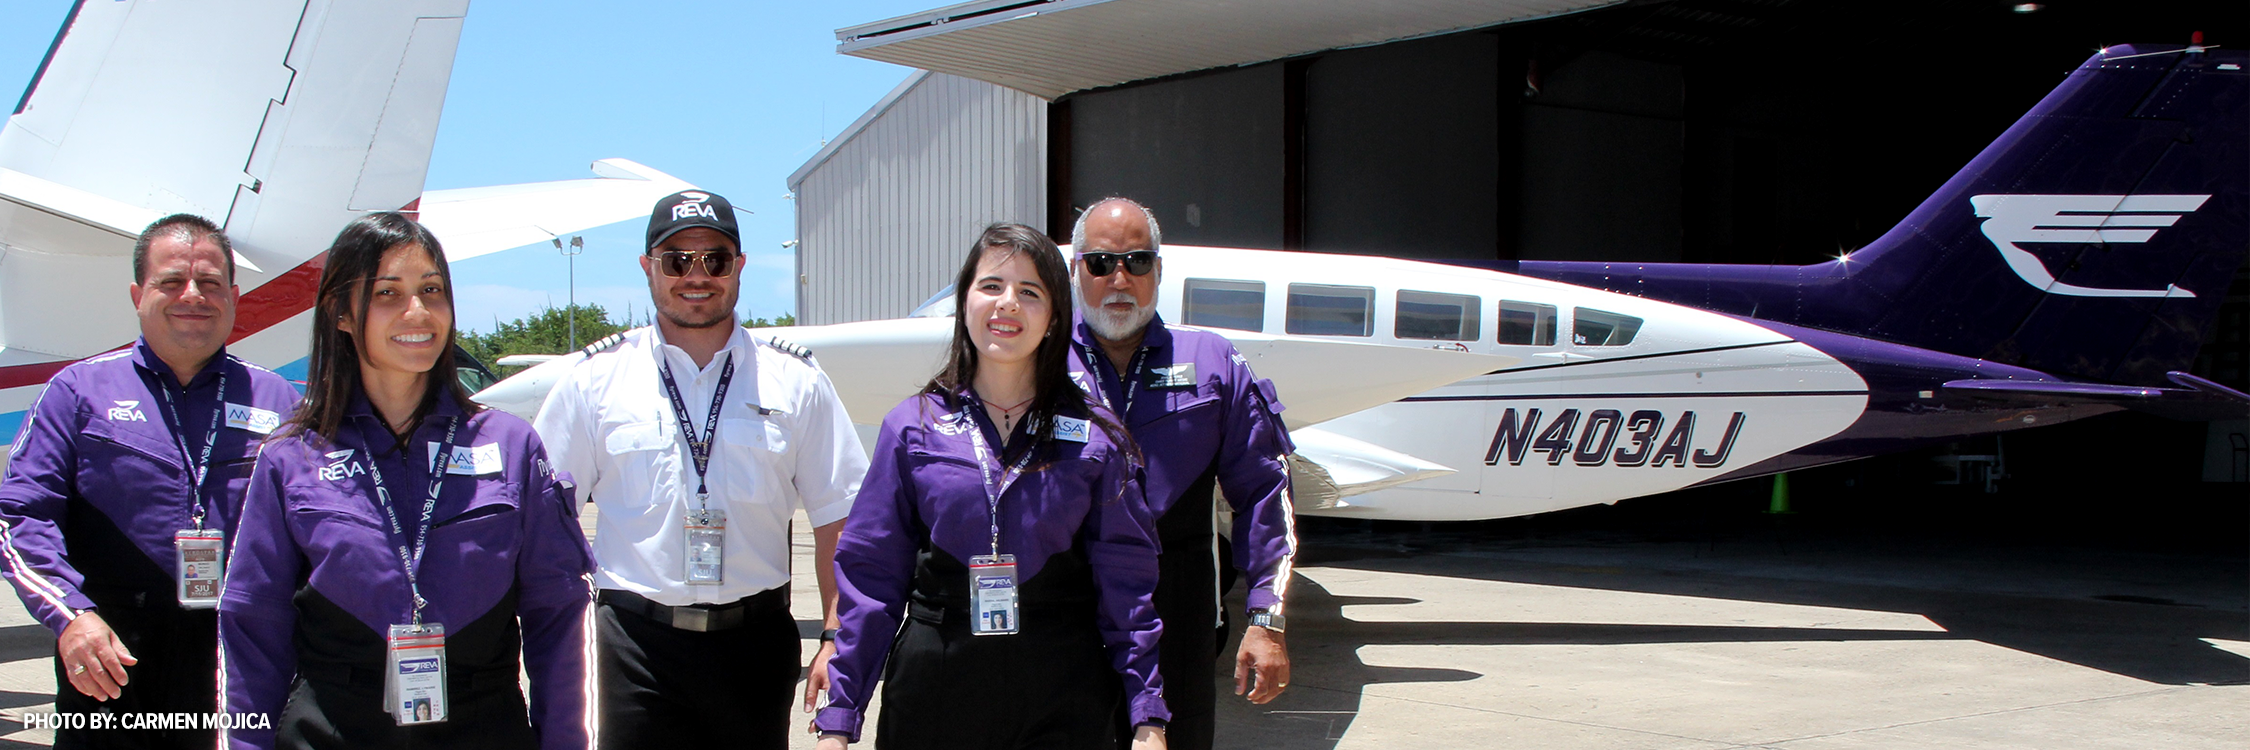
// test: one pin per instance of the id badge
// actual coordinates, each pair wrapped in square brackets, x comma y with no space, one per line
[992,593]
[706,546]
[414,683]
[202,555]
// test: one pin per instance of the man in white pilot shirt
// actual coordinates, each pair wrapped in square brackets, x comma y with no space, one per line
[697,645]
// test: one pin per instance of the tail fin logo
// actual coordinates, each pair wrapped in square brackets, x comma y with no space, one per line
[2103,219]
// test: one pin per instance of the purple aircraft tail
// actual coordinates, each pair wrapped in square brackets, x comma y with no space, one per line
[2095,239]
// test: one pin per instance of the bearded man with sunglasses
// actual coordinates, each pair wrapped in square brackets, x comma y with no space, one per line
[696,441]
[1203,421]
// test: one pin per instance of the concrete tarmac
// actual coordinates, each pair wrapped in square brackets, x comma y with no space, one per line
[1607,630]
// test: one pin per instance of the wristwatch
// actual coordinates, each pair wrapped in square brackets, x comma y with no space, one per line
[828,636]
[1268,620]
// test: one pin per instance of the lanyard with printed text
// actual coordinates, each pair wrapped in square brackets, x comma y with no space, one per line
[439,465]
[1132,377]
[985,461]
[198,467]
[700,451]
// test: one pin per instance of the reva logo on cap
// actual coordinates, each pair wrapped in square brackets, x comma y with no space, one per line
[695,205]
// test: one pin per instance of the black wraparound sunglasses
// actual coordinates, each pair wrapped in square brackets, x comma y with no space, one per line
[676,263]
[1137,263]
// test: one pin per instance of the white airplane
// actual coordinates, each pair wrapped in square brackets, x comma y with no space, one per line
[1424,391]
[281,121]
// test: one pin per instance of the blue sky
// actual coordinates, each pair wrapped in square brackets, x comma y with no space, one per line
[730,96]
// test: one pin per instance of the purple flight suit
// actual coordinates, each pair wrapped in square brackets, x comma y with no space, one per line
[98,468]
[98,487]
[1078,508]
[1203,421]
[318,582]
[1225,424]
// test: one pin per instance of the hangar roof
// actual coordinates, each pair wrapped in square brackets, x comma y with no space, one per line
[1049,48]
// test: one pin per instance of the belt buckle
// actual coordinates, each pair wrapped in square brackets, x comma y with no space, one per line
[695,619]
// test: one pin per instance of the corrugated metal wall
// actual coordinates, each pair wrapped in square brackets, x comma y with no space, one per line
[885,218]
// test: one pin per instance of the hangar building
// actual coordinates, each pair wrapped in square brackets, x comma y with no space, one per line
[1722,131]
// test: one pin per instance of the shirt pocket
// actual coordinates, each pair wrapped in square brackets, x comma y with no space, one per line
[645,462]
[484,532]
[129,463]
[756,450]
[1185,405]
[341,531]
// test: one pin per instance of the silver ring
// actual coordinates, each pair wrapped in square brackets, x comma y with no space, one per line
[78,670]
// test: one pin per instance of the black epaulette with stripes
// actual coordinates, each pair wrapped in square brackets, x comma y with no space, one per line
[605,344]
[791,348]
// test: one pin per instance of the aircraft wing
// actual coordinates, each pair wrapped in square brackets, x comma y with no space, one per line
[476,221]
[1329,467]
[876,364]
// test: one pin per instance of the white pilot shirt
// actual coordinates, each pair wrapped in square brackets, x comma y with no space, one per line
[610,424]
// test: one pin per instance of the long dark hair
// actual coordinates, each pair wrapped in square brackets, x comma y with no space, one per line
[348,274]
[1052,392]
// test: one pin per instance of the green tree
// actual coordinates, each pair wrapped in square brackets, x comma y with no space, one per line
[783,320]
[548,332]
[543,332]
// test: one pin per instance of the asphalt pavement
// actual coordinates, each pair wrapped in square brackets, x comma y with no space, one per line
[1704,628]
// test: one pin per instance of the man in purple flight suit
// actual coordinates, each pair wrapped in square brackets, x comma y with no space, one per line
[127,479]
[1202,419]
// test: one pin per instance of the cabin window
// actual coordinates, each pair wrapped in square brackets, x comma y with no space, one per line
[1214,303]
[1323,310]
[1590,327]
[1527,323]
[1430,315]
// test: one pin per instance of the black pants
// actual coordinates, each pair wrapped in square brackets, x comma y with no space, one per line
[342,709]
[1187,598]
[336,702]
[672,689]
[1048,686]
[178,672]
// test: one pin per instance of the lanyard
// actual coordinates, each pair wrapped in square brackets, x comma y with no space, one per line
[992,491]
[198,467]
[700,450]
[1132,377]
[438,466]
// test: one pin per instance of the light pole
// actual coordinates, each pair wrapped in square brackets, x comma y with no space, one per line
[577,245]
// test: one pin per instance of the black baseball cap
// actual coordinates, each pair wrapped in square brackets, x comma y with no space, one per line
[689,209]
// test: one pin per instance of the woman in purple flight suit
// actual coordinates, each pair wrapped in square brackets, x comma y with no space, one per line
[1002,520]
[369,605]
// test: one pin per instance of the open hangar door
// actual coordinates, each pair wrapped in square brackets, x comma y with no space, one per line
[1704,131]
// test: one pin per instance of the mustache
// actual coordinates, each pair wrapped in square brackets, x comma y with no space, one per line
[1120,297]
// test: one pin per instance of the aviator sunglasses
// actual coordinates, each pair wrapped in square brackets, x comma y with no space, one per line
[1137,263]
[676,263]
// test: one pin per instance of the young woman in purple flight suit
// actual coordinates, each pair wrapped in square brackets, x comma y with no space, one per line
[1000,456]
[348,555]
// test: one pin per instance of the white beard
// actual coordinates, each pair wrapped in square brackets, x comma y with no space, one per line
[1117,326]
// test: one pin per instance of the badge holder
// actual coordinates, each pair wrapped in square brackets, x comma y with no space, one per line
[414,683]
[202,554]
[992,592]
[706,546]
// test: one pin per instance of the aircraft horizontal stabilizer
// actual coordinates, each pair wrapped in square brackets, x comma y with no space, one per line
[476,221]
[524,360]
[1329,467]
[2201,399]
